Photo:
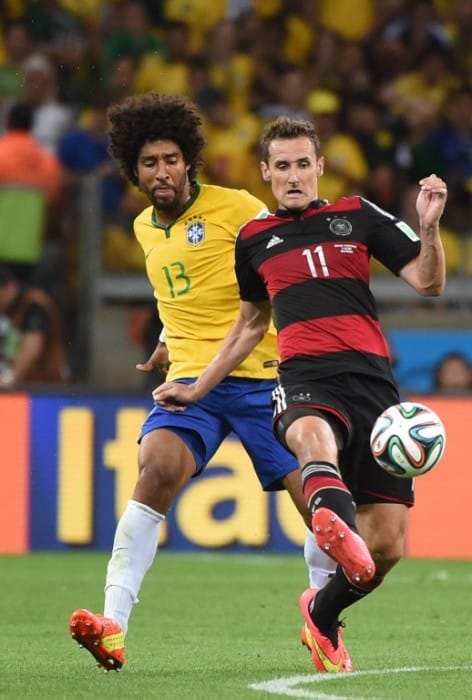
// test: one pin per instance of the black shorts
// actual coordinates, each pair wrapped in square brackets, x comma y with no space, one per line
[350,403]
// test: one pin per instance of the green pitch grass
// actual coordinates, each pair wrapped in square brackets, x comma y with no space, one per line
[210,626]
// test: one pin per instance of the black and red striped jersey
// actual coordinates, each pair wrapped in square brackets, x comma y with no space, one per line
[314,268]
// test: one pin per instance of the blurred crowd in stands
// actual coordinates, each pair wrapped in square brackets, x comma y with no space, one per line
[388,84]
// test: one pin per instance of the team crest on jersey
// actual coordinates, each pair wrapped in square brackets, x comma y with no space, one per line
[340,227]
[195,233]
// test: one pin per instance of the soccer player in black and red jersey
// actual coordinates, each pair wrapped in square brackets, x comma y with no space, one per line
[308,266]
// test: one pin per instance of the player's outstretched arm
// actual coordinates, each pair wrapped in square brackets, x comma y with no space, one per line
[246,333]
[427,272]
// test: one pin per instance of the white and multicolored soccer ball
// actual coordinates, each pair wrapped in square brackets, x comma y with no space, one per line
[408,439]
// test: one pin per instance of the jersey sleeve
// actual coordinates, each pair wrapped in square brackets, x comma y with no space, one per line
[391,240]
[251,286]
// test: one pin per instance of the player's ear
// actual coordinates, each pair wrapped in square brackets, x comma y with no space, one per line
[320,166]
[265,171]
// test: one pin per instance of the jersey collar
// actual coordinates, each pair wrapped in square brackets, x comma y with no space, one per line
[196,191]
[288,213]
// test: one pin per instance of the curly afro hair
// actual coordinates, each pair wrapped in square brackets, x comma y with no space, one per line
[153,117]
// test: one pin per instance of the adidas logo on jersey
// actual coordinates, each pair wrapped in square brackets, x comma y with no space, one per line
[275,240]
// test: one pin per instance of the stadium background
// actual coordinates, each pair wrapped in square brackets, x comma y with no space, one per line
[70,465]
[69,458]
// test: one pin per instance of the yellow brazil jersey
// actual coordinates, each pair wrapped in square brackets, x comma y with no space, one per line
[190,265]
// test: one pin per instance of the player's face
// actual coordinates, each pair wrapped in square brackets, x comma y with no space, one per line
[163,177]
[293,169]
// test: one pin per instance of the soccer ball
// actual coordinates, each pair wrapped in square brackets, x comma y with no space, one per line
[408,439]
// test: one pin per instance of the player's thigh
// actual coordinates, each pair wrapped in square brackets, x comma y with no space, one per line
[196,428]
[365,478]
[167,454]
[166,464]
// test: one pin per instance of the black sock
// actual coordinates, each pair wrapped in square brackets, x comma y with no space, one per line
[338,594]
[340,502]
[324,488]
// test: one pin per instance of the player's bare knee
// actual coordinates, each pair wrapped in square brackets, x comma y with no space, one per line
[387,551]
[157,475]
[157,485]
[312,438]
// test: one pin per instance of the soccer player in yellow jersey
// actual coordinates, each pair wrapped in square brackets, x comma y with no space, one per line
[188,235]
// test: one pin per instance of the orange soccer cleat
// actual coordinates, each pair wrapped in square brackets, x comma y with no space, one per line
[346,547]
[101,636]
[326,657]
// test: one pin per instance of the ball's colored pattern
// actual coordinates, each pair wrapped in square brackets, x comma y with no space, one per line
[408,439]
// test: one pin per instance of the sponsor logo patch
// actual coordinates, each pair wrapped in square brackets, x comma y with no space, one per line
[275,240]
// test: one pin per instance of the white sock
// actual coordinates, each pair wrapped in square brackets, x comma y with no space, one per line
[320,566]
[134,549]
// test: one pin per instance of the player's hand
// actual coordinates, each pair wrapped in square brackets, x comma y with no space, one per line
[431,200]
[159,360]
[7,377]
[174,396]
